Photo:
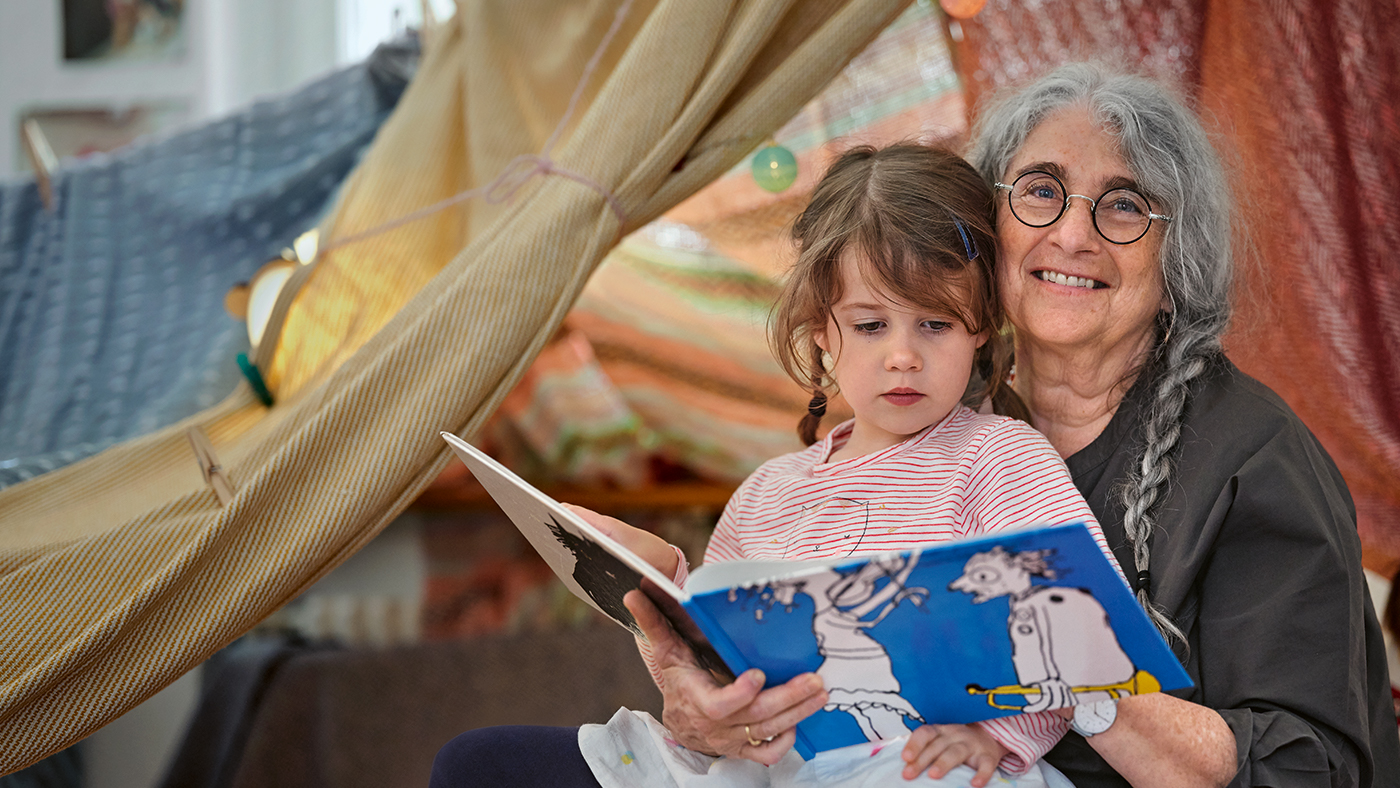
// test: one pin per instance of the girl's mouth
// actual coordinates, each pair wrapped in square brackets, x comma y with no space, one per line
[902,396]
[1055,277]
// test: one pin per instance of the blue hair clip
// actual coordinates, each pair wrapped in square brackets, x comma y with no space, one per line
[968,243]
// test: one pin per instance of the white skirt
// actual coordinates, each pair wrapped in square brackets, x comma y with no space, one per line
[633,750]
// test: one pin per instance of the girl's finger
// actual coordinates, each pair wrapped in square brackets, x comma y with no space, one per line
[986,766]
[948,760]
[918,741]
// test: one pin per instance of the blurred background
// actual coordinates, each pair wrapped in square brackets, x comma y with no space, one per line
[658,395]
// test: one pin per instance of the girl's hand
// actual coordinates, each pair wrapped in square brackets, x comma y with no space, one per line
[940,748]
[715,719]
[647,545]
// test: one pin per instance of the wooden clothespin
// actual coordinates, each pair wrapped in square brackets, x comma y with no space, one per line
[209,465]
[41,159]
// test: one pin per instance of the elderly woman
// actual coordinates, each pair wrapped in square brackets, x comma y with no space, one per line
[1230,520]
[1234,527]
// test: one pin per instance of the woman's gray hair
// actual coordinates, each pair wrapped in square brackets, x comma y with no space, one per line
[1170,156]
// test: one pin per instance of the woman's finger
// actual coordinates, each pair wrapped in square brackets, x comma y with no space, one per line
[779,708]
[768,752]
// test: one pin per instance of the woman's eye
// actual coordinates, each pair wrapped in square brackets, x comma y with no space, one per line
[869,327]
[1127,205]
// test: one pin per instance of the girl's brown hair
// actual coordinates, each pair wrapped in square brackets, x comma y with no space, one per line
[918,219]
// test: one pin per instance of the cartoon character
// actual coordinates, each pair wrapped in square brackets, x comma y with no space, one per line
[1062,645]
[857,671]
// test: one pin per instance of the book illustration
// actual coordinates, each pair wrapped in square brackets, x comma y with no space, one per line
[855,668]
[1063,647]
[899,638]
[599,573]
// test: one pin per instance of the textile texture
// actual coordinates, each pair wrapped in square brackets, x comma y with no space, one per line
[120,572]
[1302,95]
[111,305]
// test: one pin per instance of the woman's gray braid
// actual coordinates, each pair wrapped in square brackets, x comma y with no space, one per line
[1168,152]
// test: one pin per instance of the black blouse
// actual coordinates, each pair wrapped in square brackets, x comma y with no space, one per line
[1256,558]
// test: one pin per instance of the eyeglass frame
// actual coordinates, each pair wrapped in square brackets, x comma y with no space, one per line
[1093,206]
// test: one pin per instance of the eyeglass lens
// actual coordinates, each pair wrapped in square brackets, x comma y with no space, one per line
[1039,199]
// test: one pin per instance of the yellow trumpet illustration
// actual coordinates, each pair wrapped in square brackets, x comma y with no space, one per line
[1140,683]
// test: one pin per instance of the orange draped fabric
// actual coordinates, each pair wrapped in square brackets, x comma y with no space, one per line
[1305,94]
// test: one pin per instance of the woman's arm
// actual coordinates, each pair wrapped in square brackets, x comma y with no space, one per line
[1159,741]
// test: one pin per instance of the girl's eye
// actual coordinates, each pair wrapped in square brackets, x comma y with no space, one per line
[869,327]
[937,326]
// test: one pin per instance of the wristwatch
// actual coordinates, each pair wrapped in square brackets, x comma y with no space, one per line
[1091,719]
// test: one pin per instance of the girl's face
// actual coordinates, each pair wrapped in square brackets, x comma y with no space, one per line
[901,368]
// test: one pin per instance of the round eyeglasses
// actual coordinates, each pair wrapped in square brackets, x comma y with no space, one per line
[1121,216]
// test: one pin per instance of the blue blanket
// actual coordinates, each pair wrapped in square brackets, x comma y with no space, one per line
[111,305]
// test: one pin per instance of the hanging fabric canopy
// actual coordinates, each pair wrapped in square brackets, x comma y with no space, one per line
[1305,102]
[120,572]
[111,303]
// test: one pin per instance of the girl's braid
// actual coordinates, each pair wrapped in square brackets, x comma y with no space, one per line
[807,428]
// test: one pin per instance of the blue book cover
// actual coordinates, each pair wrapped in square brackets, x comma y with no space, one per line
[956,632]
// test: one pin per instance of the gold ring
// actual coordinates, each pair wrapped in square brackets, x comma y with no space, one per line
[752,741]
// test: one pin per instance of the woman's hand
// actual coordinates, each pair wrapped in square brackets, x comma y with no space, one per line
[711,718]
[647,545]
[941,748]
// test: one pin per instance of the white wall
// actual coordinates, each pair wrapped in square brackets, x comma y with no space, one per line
[235,51]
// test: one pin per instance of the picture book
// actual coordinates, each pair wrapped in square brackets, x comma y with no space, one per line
[955,632]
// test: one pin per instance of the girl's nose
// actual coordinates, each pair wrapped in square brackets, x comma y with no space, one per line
[902,358]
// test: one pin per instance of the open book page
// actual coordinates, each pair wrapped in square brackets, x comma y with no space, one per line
[592,566]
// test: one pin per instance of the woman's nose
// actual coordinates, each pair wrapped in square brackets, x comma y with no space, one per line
[1075,229]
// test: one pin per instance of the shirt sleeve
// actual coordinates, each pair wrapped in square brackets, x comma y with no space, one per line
[1027,736]
[1018,480]
[1287,650]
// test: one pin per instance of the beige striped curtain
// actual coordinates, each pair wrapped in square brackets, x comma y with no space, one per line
[120,573]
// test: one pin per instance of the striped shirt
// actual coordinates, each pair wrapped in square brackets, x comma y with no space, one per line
[970,474]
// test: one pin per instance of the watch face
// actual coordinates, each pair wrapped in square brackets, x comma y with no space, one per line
[1091,719]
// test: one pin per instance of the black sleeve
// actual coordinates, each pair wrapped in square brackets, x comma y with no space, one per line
[1281,630]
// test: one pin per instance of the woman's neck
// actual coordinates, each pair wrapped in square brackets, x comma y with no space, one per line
[1072,395]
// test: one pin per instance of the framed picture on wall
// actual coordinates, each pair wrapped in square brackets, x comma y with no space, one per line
[97,30]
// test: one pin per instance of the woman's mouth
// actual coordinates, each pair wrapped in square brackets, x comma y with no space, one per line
[902,396]
[1055,277]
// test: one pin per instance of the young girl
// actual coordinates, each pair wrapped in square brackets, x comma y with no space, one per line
[893,303]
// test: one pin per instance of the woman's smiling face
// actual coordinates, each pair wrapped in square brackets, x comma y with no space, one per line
[1065,285]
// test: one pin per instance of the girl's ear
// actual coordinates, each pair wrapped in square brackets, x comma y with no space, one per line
[819,337]
[983,337]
